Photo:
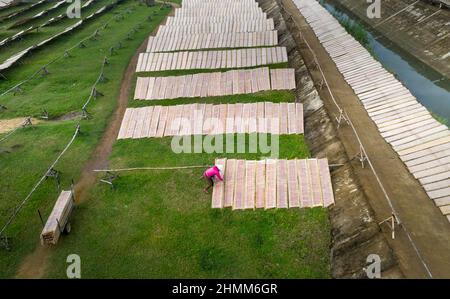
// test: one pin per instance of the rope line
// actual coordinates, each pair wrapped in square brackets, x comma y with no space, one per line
[419,22]
[397,217]
[150,168]
[91,95]
[12,132]
[77,131]
[17,210]
[393,15]
[32,76]
[99,78]
[394,212]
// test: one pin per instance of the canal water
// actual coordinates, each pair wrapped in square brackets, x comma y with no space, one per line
[427,85]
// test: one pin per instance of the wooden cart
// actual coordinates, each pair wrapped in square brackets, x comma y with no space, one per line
[59,220]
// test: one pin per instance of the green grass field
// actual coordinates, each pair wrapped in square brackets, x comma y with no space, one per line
[7,24]
[29,12]
[154,224]
[275,96]
[196,71]
[160,224]
[35,36]
[25,155]
[165,223]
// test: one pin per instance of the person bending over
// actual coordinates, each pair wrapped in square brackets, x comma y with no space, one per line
[210,174]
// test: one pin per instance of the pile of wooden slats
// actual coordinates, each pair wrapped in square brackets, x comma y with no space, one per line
[241,18]
[223,27]
[213,84]
[282,79]
[40,14]
[420,140]
[273,183]
[218,10]
[218,59]
[203,41]
[5,3]
[9,62]
[203,119]
[16,13]
[239,24]
[209,3]
[58,218]
[13,59]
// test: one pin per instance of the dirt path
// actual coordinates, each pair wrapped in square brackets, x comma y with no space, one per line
[34,265]
[99,159]
[427,226]
[7,125]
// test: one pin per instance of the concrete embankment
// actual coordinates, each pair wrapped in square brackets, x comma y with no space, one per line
[421,30]
[355,232]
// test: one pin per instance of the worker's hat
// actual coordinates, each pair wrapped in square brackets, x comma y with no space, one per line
[220,168]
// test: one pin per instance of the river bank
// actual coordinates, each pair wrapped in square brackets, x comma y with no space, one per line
[425,82]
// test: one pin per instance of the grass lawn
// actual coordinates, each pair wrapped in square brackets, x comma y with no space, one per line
[154,224]
[27,14]
[35,37]
[20,7]
[158,224]
[196,71]
[275,96]
[25,155]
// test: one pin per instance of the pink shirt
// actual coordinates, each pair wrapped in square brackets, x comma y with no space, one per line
[213,171]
